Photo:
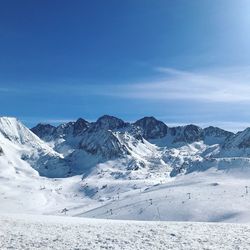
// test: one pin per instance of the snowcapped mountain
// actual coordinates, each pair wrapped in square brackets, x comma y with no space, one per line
[136,149]
[20,147]
[147,144]
[109,138]
[108,122]
[125,168]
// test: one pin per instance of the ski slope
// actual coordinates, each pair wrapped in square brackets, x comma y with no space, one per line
[210,196]
[53,232]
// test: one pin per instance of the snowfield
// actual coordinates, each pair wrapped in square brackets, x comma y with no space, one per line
[54,232]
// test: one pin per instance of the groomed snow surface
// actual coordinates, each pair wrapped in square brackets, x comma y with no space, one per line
[54,232]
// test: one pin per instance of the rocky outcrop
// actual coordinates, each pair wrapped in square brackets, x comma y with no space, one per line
[152,128]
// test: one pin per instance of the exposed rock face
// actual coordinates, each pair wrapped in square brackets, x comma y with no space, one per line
[100,140]
[214,135]
[108,122]
[103,143]
[80,126]
[1,151]
[47,131]
[152,128]
[193,133]
[241,140]
[187,134]
[42,130]
[64,130]
[216,132]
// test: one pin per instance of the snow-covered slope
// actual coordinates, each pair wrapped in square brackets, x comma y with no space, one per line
[50,232]
[22,149]
[237,145]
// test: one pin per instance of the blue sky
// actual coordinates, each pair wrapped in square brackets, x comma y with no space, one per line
[182,61]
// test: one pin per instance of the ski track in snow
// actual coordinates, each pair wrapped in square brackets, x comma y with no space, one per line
[54,232]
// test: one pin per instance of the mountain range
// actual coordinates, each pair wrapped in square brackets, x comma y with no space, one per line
[148,144]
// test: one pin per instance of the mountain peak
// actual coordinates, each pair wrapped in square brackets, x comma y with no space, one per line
[240,140]
[81,120]
[42,130]
[79,126]
[215,131]
[109,122]
[148,118]
[151,127]
[43,125]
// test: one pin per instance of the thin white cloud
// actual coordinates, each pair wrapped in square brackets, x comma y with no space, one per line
[226,86]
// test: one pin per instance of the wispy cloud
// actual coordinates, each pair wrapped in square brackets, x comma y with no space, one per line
[226,86]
